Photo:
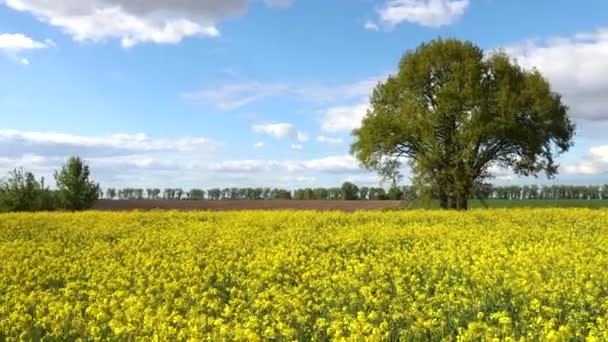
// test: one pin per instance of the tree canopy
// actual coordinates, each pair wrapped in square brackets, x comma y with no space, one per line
[76,191]
[454,113]
[349,191]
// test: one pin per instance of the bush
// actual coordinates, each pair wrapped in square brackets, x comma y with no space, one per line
[22,192]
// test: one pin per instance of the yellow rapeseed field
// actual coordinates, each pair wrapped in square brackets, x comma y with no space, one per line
[518,274]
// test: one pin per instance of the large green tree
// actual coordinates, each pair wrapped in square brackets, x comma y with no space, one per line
[453,113]
[76,191]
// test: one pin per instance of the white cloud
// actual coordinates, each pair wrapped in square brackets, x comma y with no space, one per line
[297,147]
[258,145]
[595,162]
[298,179]
[343,118]
[14,142]
[301,137]
[136,160]
[13,43]
[332,164]
[371,180]
[370,25]
[236,95]
[276,130]
[336,118]
[115,159]
[17,42]
[135,22]
[329,140]
[599,153]
[576,67]
[280,131]
[331,93]
[239,166]
[345,163]
[50,43]
[585,168]
[239,94]
[432,13]
[29,161]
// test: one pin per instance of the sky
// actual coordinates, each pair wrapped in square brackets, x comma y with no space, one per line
[217,93]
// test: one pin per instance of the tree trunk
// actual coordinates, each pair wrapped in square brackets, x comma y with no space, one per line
[443,199]
[462,200]
[453,201]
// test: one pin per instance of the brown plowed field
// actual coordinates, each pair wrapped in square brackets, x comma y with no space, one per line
[115,205]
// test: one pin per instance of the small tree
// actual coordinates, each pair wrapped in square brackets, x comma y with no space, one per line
[22,192]
[363,192]
[377,194]
[334,193]
[196,194]
[75,190]
[266,193]
[395,193]
[214,194]
[349,191]
[111,193]
[168,193]
[123,194]
[321,193]
[604,192]
[280,194]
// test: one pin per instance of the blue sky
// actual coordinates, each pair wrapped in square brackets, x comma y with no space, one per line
[220,93]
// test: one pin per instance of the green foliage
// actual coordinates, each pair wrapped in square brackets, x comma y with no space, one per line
[453,113]
[196,194]
[349,191]
[363,192]
[377,194]
[395,193]
[22,192]
[214,194]
[111,193]
[75,190]
[321,193]
[540,203]
[521,203]
[420,192]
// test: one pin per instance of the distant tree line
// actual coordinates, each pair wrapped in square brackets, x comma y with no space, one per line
[21,191]
[350,191]
[546,192]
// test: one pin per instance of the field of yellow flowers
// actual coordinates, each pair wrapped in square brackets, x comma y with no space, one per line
[533,274]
